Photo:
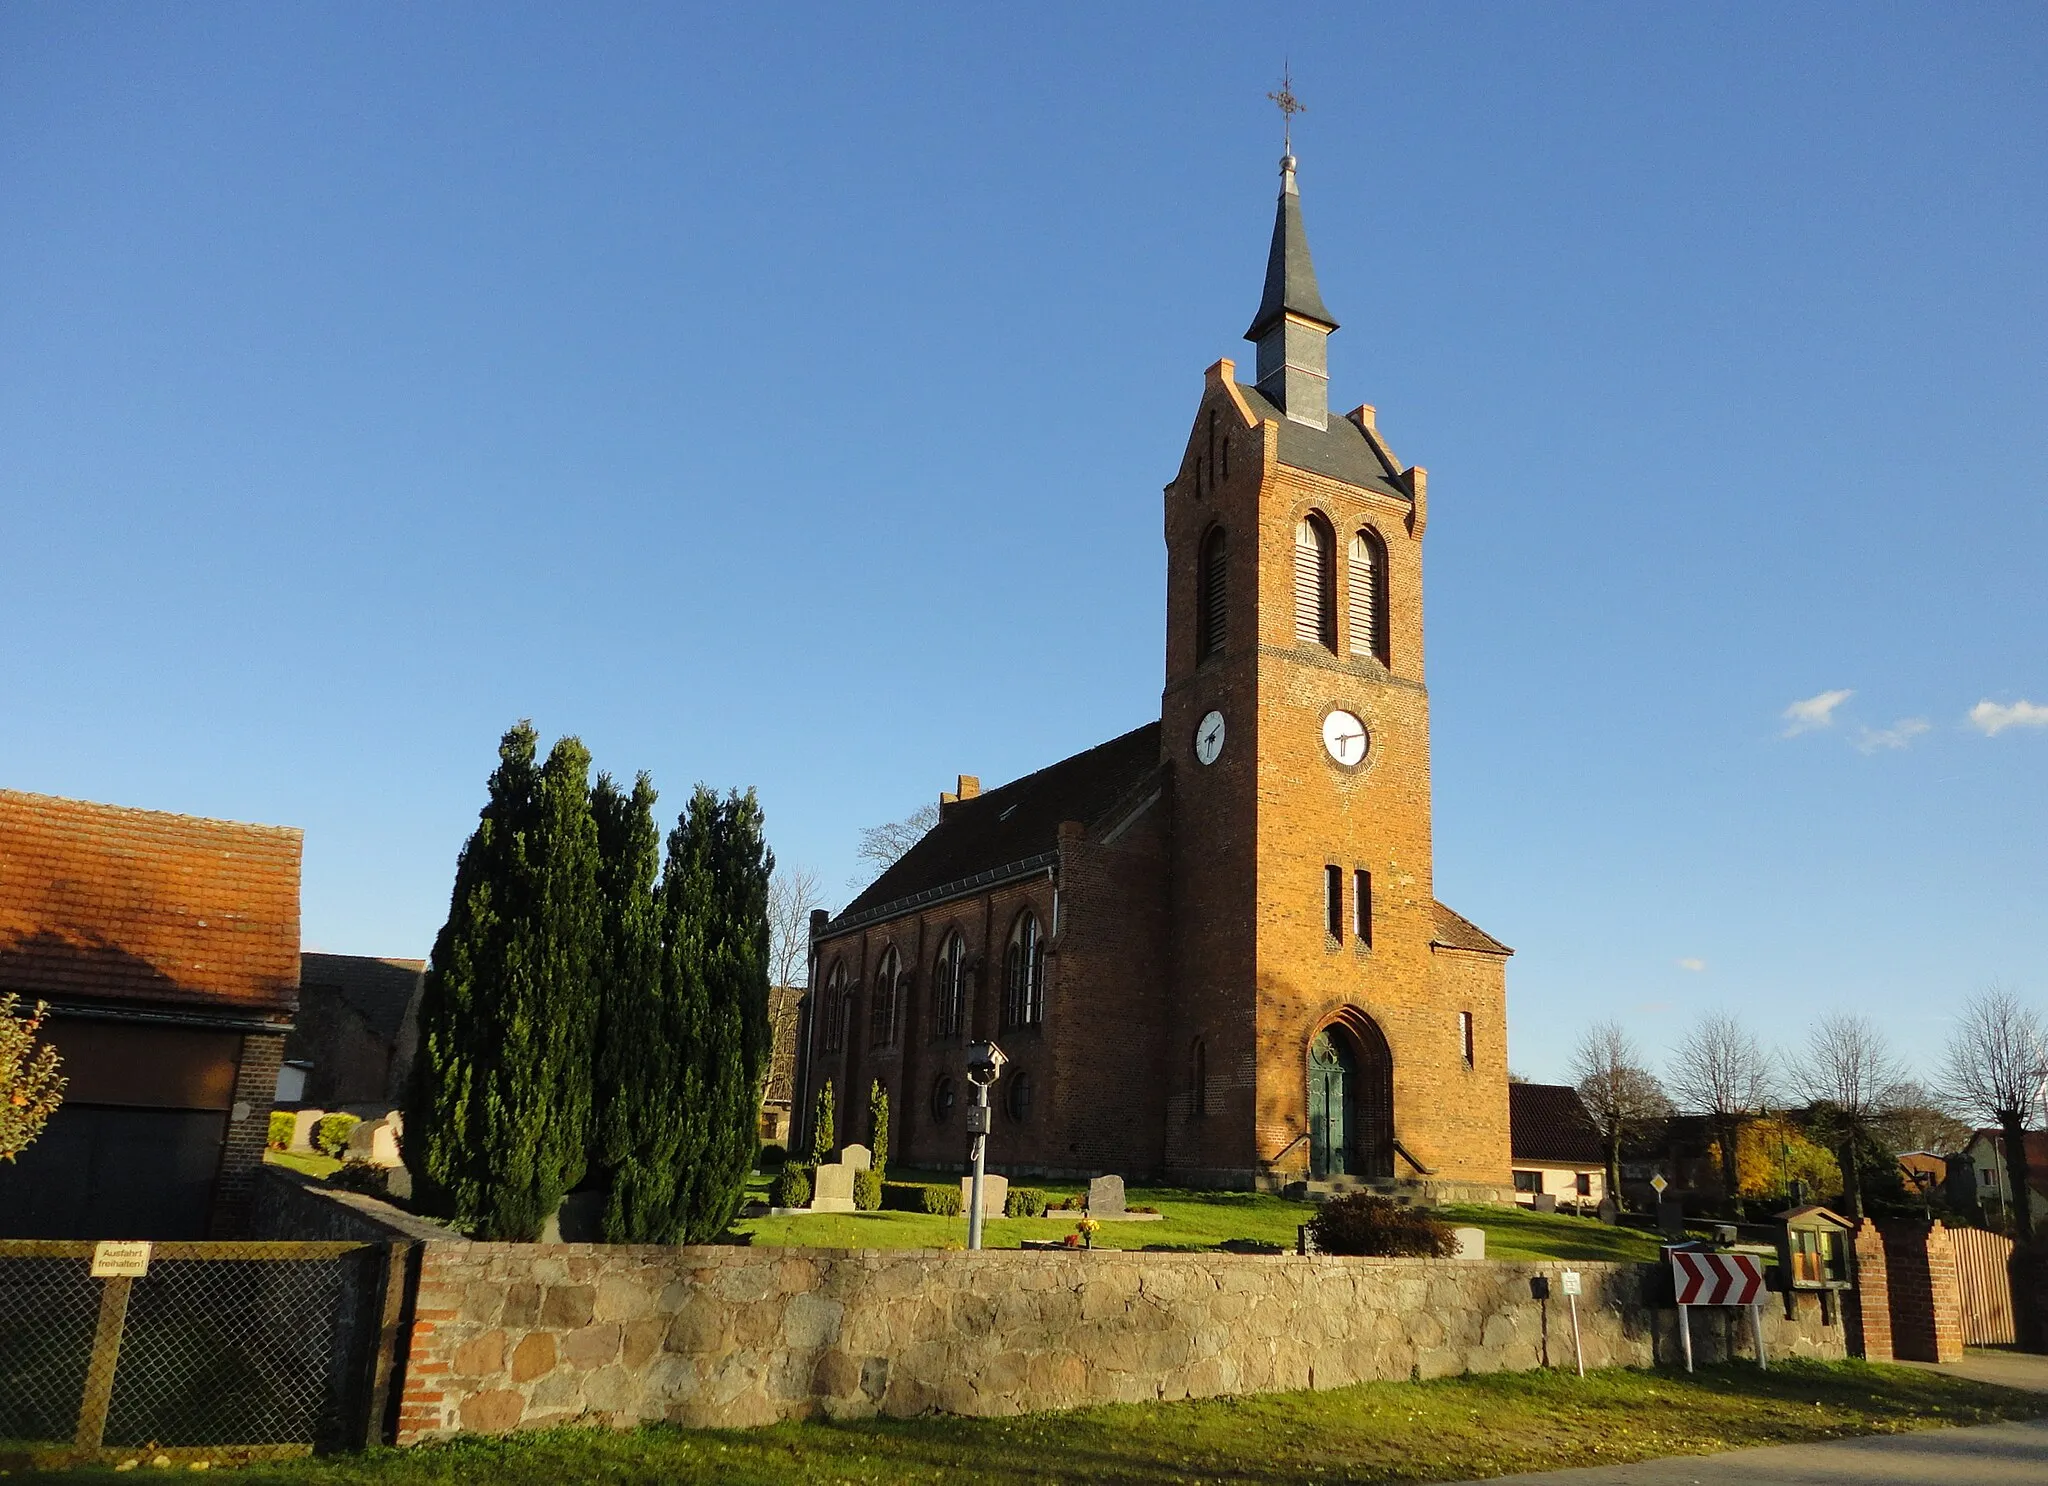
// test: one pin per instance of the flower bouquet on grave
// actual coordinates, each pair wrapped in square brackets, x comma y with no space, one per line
[1088,1227]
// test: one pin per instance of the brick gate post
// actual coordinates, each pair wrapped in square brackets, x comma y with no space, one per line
[1869,1312]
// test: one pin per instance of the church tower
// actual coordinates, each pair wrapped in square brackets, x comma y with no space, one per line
[1333,1020]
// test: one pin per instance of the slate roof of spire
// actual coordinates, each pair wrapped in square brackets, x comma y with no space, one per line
[1290,275]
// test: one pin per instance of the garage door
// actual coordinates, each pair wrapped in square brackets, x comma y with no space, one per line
[101,1171]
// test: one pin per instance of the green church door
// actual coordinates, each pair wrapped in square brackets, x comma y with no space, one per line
[1330,1091]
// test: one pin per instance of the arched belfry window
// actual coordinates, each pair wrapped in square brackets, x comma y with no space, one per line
[1315,593]
[882,1011]
[1369,596]
[1212,603]
[1024,973]
[949,987]
[835,1007]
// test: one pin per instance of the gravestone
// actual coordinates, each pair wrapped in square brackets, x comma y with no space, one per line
[375,1141]
[1671,1217]
[832,1188]
[1106,1197]
[1545,1202]
[995,1191]
[303,1121]
[1610,1210]
[857,1158]
[1471,1243]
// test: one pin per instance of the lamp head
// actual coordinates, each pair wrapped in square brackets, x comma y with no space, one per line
[985,1062]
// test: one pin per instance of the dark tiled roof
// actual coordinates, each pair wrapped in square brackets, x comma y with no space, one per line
[379,990]
[2036,1147]
[1455,931]
[1341,451]
[100,902]
[1546,1122]
[1019,820]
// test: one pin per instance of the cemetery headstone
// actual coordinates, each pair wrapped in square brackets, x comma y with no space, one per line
[303,1121]
[1471,1243]
[1610,1210]
[832,1188]
[857,1158]
[1545,1202]
[375,1141]
[1671,1217]
[1106,1197]
[995,1191]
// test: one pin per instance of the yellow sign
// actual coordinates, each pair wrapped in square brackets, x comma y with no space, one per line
[116,1261]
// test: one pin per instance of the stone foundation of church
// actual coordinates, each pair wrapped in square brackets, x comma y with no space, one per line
[526,1336]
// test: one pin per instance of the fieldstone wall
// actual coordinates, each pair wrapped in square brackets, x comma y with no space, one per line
[286,1204]
[521,1336]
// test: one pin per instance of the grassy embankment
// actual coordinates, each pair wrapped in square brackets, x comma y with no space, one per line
[1448,1430]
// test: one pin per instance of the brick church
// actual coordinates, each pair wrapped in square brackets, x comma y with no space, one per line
[1211,947]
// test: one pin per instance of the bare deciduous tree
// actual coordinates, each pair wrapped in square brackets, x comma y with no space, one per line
[792,894]
[1619,1091]
[1722,1071]
[1852,1082]
[1919,1123]
[1997,1061]
[883,846]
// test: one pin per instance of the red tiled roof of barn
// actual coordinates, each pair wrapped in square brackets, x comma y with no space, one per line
[101,902]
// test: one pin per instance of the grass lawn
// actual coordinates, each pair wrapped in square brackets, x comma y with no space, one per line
[1452,1429]
[1195,1220]
[312,1163]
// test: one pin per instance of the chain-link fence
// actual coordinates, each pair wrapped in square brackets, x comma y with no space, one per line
[215,1344]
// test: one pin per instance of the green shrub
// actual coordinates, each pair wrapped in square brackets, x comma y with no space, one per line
[771,1158]
[1361,1223]
[280,1135]
[1024,1202]
[919,1197]
[330,1135]
[792,1186]
[867,1191]
[361,1176]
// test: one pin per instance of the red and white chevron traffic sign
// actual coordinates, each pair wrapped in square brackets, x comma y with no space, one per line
[1717,1279]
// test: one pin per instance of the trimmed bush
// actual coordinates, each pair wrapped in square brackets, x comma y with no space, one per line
[792,1186]
[1361,1223]
[918,1197]
[362,1176]
[279,1137]
[1024,1202]
[867,1191]
[330,1135]
[771,1158]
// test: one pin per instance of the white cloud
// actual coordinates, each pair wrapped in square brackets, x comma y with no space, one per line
[1898,735]
[1814,713]
[1693,963]
[1991,719]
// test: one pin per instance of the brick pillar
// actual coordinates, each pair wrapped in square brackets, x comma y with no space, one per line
[248,1132]
[1920,1268]
[1870,1311]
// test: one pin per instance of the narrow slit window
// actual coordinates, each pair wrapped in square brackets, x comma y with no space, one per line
[1361,906]
[1212,611]
[1333,901]
[1198,1078]
[1465,1035]
[1315,599]
[1368,596]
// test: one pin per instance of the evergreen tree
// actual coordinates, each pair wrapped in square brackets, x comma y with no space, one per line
[878,1121]
[821,1126]
[498,1117]
[729,1001]
[638,1116]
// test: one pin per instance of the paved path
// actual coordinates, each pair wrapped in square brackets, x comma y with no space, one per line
[1988,1455]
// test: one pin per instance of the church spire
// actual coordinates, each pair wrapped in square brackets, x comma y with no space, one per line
[1292,324]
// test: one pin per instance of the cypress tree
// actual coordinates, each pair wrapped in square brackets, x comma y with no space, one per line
[822,1133]
[878,1121]
[637,1093]
[724,851]
[498,1117]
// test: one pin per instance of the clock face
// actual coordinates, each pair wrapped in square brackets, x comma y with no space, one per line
[1209,738]
[1344,737]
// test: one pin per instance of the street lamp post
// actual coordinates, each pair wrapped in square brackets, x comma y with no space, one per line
[984,1066]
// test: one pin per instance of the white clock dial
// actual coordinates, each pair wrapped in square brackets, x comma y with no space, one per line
[1209,738]
[1344,737]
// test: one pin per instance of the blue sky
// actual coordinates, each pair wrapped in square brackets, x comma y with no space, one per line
[782,396]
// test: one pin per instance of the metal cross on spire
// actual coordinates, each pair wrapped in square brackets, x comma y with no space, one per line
[1288,104]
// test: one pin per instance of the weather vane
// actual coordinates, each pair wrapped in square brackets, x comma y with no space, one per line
[1288,104]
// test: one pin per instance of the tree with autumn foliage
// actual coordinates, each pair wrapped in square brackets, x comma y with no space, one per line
[1771,1153]
[30,1088]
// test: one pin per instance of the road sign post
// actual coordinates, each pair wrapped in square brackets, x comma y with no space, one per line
[1570,1281]
[1704,1278]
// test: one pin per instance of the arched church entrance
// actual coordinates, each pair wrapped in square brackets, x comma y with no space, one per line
[1351,1100]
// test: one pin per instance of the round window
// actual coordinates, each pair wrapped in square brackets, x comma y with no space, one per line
[943,1098]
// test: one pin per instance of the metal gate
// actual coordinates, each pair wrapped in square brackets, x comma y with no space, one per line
[243,1347]
[1984,1281]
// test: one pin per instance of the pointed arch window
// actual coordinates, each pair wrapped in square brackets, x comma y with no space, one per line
[1369,596]
[1315,594]
[1024,973]
[949,987]
[1198,1078]
[882,1010]
[1212,604]
[835,1007]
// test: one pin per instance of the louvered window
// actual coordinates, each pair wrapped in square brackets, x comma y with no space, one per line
[949,988]
[1315,597]
[882,1010]
[1024,974]
[1212,609]
[1369,596]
